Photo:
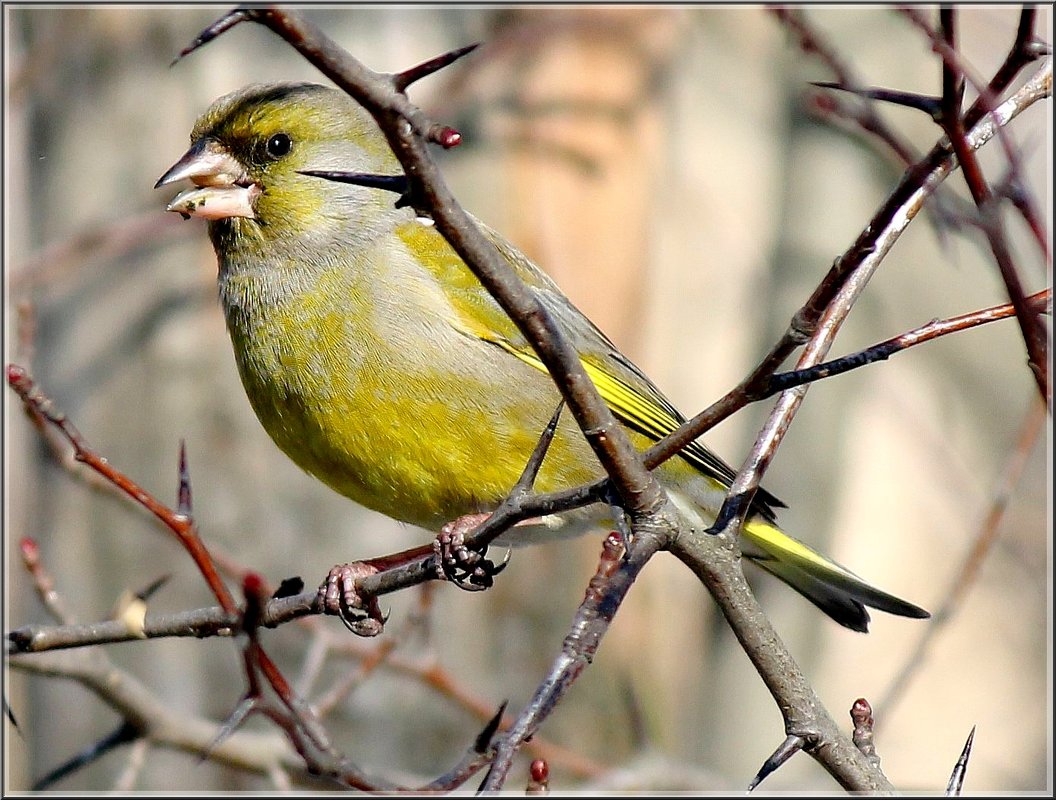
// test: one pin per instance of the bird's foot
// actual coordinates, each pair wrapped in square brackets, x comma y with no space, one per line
[339,596]
[467,568]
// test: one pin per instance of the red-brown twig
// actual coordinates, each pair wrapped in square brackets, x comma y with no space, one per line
[183,528]
[43,582]
[812,42]
[300,723]
[1038,303]
[955,72]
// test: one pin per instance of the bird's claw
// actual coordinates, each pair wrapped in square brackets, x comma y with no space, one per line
[339,596]
[466,568]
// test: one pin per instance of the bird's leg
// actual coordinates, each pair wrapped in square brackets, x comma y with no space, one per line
[463,566]
[467,568]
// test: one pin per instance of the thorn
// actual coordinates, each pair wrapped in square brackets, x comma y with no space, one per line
[483,740]
[289,587]
[787,749]
[11,716]
[225,23]
[401,80]
[731,509]
[932,106]
[183,493]
[125,733]
[245,707]
[535,461]
[397,184]
[147,592]
[953,788]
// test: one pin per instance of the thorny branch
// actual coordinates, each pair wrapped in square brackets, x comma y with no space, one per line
[278,610]
[181,526]
[815,324]
[955,73]
[288,711]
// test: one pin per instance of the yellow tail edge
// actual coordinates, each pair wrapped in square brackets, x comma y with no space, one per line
[833,588]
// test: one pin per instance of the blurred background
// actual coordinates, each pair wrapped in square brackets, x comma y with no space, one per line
[662,164]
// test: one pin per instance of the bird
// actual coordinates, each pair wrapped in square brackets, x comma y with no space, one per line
[378,363]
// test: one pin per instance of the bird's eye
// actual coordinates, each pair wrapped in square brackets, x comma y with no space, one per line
[279,145]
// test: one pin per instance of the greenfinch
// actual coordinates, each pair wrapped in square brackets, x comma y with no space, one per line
[376,360]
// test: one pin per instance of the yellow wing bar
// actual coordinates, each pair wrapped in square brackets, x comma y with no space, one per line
[639,412]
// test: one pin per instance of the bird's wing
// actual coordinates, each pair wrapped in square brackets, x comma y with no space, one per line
[633,398]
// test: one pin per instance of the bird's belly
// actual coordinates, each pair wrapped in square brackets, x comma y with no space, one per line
[415,458]
[423,444]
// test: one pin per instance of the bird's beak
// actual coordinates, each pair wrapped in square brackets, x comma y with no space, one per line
[222,190]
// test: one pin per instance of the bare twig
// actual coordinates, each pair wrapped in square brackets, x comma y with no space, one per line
[326,702]
[893,216]
[955,71]
[43,582]
[182,527]
[161,725]
[606,591]
[1039,303]
[295,717]
[827,308]
[823,313]
[124,734]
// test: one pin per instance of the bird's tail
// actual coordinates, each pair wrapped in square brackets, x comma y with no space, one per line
[834,589]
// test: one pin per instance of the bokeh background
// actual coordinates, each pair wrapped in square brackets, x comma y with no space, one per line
[662,165]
